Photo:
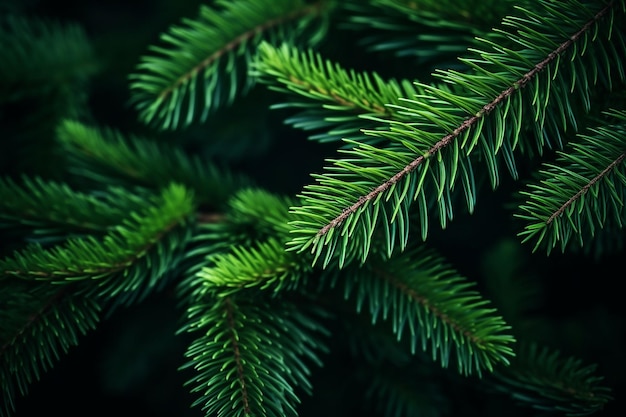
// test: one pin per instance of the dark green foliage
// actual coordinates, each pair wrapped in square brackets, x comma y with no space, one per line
[38,324]
[105,156]
[145,240]
[341,298]
[264,348]
[202,64]
[325,90]
[588,182]
[427,301]
[547,381]
[432,34]
[449,132]
[42,57]
[45,69]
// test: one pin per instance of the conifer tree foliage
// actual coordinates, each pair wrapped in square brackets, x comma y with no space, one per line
[346,296]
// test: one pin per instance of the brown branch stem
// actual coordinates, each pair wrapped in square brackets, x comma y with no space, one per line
[467,124]
[237,353]
[586,188]
[422,300]
[236,42]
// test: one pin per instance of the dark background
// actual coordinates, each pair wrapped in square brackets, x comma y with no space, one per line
[129,364]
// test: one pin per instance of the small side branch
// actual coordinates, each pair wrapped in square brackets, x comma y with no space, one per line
[236,42]
[586,188]
[237,354]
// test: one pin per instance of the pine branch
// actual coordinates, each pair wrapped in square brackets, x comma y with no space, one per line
[38,324]
[253,217]
[129,260]
[335,100]
[266,212]
[580,195]
[545,380]
[202,64]
[396,382]
[54,210]
[106,156]
[433,32]
[372,185]
[267,266]
[251,357]
[140,213]
[404,392]
[422,296]
[41,56]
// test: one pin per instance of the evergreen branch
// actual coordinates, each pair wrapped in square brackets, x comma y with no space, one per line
[468,123]
[435,32]
[404,392]
[266,266]
[379,184]
[266,212]
[38,324]
[454,13]
[203,244]
[122,226]
[334,98]
[202,64]
[49,206]
[252,216]
[41,56]
[251,356]
[545,380]
[582,193]
[155,229]
[397,383]
[423,296]
[104,155]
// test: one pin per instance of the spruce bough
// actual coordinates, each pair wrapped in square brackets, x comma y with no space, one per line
[354,276]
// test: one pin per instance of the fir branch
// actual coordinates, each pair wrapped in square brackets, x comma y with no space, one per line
[404,392]
[157,229]
[51,207]
[334,99]
[202,63]
[396,382]
[431,32]
[251,356]
[105,155]
[252,215]
[267,266]
[545,380]
[38,324]
[467,124]
[373,184]
[266,212]
[582,193]
[40,56]
[521,88]
[244,248]
[252,218]
[422,296]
